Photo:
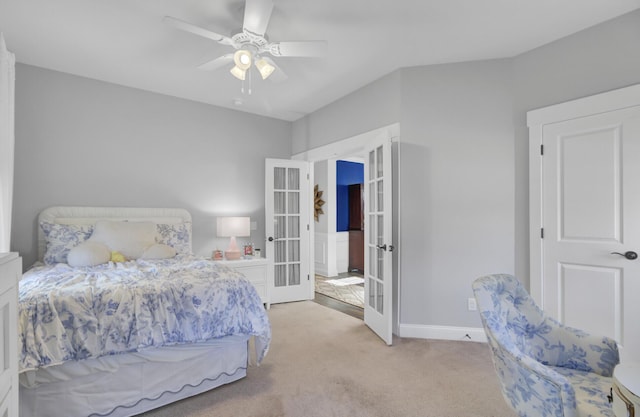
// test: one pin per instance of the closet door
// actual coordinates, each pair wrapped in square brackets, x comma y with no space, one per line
[586,271]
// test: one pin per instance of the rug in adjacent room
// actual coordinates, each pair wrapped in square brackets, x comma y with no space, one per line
[349,290]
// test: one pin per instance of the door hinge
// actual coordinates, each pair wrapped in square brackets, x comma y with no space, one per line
[308,277]
[542,233]
[541,149]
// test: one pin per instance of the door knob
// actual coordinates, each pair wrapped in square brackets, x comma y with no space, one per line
[629,255]
[270,239]
[383,247]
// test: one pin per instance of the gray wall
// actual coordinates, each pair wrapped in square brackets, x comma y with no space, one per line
[375,105]
[456,187]
[464,156]
[89,143]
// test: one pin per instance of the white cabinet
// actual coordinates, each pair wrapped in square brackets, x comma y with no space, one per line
[257,271]
[10,272]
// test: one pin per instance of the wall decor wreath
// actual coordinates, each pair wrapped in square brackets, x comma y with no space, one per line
[318,202]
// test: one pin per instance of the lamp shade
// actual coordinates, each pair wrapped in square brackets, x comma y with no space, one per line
[233,226]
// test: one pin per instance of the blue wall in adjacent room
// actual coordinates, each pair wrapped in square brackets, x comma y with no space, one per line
[347,173]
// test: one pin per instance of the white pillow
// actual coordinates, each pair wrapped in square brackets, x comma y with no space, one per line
[129,238]
[89,253]
[158,251]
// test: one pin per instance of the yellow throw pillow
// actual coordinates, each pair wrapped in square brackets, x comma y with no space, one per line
[117,257]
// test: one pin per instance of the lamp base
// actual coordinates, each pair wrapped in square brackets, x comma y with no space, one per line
[232,255]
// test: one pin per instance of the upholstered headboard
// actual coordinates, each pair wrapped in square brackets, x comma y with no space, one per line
[89,215]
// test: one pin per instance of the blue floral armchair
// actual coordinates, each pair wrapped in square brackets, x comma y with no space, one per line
[545,368]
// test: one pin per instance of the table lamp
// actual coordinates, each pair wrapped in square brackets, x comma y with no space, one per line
[233,227]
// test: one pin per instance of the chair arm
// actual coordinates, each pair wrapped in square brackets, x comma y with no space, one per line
[577,349]
[532,388]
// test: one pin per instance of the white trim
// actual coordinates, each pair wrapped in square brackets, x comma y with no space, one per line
[535,213]
[352,146]
[7,141]
[586,106]
[421,331]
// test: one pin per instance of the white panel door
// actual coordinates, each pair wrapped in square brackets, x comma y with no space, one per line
[591,220]
[378,259]
[288,205]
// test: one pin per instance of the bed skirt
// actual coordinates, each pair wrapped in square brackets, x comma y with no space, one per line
[130,384]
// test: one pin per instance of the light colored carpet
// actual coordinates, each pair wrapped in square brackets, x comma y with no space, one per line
[351,294]
[323,363]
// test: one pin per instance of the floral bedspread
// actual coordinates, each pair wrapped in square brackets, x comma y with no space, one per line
[70,313]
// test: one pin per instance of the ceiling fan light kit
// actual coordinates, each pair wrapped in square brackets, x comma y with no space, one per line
[242,59]
[238,73]
[252,42]
[264,68]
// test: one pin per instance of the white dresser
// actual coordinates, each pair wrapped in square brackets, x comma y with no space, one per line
[10,272]
[257,271]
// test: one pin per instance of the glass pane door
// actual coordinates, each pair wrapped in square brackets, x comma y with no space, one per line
[287,216]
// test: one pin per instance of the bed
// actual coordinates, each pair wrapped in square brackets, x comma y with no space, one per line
[120,338]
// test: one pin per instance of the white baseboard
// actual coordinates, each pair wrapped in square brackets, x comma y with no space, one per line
[321,269]
[419,331]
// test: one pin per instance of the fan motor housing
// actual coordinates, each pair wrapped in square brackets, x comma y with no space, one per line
[245,38]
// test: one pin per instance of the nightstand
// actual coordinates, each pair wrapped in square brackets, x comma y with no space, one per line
[257,271]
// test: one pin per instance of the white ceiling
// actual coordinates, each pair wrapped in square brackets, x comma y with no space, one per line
[125,41]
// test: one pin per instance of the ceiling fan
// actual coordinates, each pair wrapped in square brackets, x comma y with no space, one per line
[252,45]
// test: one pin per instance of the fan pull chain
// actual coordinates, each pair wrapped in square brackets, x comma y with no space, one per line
[249,89]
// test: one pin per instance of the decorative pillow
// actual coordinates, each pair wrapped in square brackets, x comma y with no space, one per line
[60,238]
[178,236]
[89,253]
[131,239]
[159,251]
[117,257]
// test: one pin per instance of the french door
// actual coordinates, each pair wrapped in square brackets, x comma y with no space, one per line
[287,214]
[378,259]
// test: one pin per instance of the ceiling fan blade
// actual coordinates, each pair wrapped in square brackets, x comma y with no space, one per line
[278,75]
[256,16]
[219,62]
[312,49]
[197,30]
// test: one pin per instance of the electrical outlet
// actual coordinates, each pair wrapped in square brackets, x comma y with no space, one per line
[471,304]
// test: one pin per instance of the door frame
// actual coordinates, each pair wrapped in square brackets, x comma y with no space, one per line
[352,146]
[536,120]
